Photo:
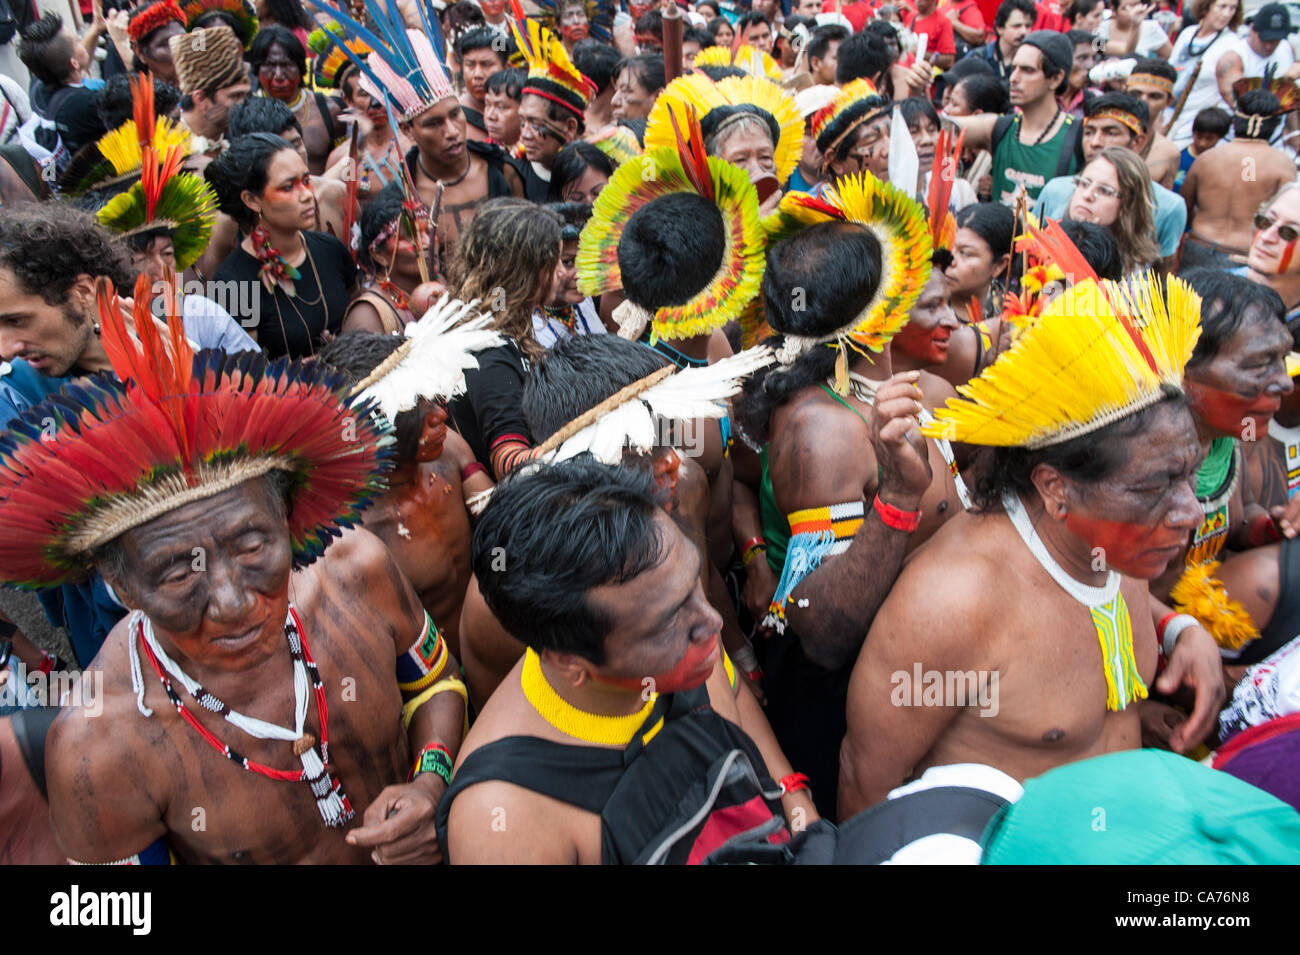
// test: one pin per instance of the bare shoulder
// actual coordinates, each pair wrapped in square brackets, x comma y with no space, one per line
[496,822]
[329,188]
[936,390]
[820,452]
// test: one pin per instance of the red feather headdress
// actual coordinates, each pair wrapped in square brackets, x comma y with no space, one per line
[148,17]
[103,455]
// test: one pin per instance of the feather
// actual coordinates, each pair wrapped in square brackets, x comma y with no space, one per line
[691,149]
[142,107]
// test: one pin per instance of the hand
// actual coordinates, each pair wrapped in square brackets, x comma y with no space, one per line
[770,204]
[1159,721]
[1197,665]
[117,22]
[760,585]
[900,449]
[399,823]
[1287,517]
[917,77]
[97,22]
[364,126]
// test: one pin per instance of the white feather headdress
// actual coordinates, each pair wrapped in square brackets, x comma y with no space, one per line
[432,362]
[629,417]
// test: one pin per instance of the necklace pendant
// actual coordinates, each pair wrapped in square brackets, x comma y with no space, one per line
[303,743]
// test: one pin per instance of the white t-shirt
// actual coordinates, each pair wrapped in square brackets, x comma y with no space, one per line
[15,108]
[945,848]
[548,331]
[1151,37]
[1205,93]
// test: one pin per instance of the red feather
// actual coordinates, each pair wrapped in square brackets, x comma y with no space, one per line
[142,107]
[354,181]
[818,205]
[1049,243]
[691,151]
[942,176]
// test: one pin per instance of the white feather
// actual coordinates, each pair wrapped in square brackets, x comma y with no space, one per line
[442,349]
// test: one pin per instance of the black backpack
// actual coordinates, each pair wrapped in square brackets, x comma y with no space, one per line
[1070,158]
[697,792]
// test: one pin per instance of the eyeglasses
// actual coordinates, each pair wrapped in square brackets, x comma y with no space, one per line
[1263,223]
[1101,189]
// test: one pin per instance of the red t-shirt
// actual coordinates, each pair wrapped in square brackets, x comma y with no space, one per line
[856,13]
[936,26]
[1050,17]
[968,12]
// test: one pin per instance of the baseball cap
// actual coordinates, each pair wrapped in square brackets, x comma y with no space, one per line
[1057,50]
[1272,22]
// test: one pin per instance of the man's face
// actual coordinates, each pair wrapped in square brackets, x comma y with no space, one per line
[1029,84]
[690,50]
[769,9]
[926,335]
[439,132]
[1155,99]
[1270,254]
[636,9]
[501,117]
[213,576]
[808,8]
[157,53]
[493,10]
[1261,46]
[823,68]
[663,626]
[1100,132]
[476,66]
[870,152]
[293,136]
[50,338]
[1202,141]
[631,100]
[1085,58]
[156,259]
[279,75]
[1010,35]
[759,36]
[1142,515]
[751,150]
[541,136]
[925,137]
[924,7]
[1241,387]
[216,111]
[573,24]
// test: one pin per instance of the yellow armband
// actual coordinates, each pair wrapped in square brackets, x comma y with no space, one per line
[453,684]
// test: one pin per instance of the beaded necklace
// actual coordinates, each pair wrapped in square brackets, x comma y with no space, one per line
[571,721]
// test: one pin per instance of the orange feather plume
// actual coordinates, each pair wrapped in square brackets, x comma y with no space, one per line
[691,150]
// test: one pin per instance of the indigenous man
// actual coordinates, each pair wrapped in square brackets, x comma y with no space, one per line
[279,61]
[450,173]
[481,52]
[1152,81]
[1221,198]
[1081,504]
[623,650]
[210,71]
[435,484]
[197,505]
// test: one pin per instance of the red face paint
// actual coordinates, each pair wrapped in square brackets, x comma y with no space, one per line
[1287,253]
[1225,411]
[1138,550]
[574,32]
[691,670]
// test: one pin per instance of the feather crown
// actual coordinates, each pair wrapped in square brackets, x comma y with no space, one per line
[859,102]
[898,223]
[627,419]
[600,16]
[718,103]
[1098,353]
[432,361]
[745,57]
[327,43]
[551,74]
[239,15]
[404,65]
[1287,92]
[105,455]
[150,16]
[680,169]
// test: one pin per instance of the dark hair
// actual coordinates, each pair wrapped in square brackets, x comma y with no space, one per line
[1212,120]
[571,162]
[837,265]
[1079,37]
[357,354]
[47,245]
[574,215]
[113,104]
[861,56]
[749,19]
[460,16]
[1009,7]
[716,24]
[883,29]
[651,22]
[648,68]
[670,249]
[985,92]
[1081,8]
[993,222]
[282,37]
[698,35]
[718,72]
[709,3]
[47,51]
[243,166]
[596,61]
[823,37]
[914,107]
[1227,302]
[224,18]
[1154,66]
[483,38]
[578,374]
[1088,459]
[509,81]
[566,528]
[1123,102]
[1097,246]
[378,213]
[1256,103]
[287,14]
[261,114]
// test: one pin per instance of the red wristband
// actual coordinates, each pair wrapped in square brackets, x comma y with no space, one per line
[898,519]
[794,782]
[469,470]
[1164,622]
[751,542]
[47,663]
[1263,530]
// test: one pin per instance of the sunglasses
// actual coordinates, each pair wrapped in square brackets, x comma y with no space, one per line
[1289,233]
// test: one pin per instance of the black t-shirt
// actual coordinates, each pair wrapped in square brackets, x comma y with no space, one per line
[75,116]
[292,326]
[491,410]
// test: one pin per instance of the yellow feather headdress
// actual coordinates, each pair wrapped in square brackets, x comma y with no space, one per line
[717,103]
[1097,354]
[743,57]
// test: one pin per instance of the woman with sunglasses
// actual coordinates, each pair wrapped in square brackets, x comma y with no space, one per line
[1196,56]
[1114,191]
[1273,258]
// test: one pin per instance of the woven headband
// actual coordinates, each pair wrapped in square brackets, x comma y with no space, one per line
[1121,117]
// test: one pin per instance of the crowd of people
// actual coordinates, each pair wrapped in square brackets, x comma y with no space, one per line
[670,432]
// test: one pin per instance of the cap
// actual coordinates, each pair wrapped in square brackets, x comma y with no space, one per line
[208,58]
[1272,22]
[1056,48]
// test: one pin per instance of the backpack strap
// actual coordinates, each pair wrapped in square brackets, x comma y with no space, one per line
[1071,155]
[874,835]
[1001,127]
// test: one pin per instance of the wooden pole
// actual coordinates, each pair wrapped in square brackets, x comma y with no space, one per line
[672,42]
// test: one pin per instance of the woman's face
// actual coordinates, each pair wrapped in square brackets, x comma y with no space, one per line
[750,149]
[1220,14]
[565,290]
[1096,195]
[972,267]
[631,99]
[287,204]
[402,252]
[586,187]
[957,104]
[725,36]
[1091,21]
[926,335]
[924,137]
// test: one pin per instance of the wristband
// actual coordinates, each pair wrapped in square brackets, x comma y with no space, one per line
[434,758]
[48,660]
[1263,530]
[469,470]
[752,548]
[898,519]
[793,783]
[1172,630]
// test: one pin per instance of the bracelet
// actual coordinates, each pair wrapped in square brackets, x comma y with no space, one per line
[751,549]
[1170,631]
[793,783]
[1263,530]
[898,519]
[434,758]
[453,684]
[48,660]
[469,470]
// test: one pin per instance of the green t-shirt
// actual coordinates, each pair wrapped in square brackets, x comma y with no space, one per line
[1016,163]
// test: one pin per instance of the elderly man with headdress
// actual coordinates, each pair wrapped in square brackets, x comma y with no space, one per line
[210,71]
[1084,497]
[405,71]
[203,487]
[852,133]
